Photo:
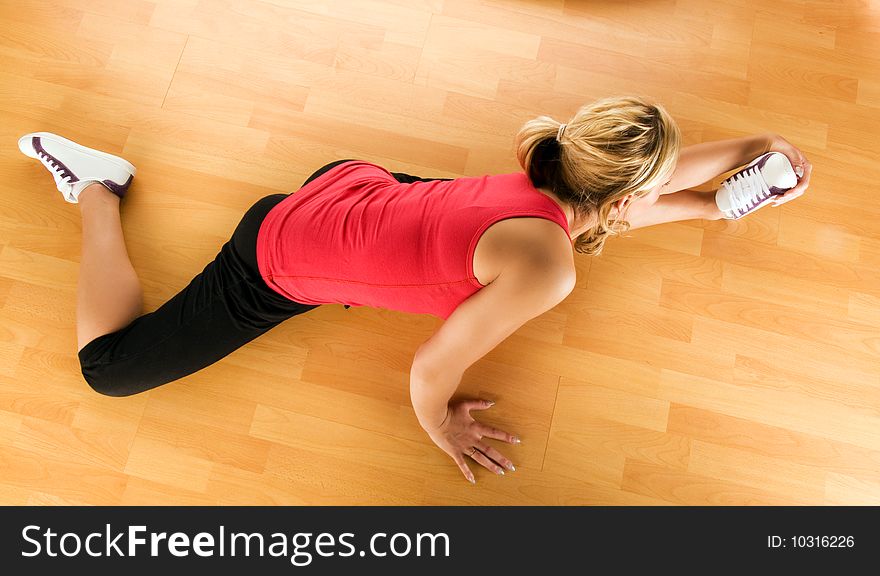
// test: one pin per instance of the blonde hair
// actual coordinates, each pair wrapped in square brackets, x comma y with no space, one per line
[609,149]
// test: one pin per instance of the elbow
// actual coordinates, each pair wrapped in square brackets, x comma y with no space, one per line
[422,369]
[557,287]
[567,283]
[427,370]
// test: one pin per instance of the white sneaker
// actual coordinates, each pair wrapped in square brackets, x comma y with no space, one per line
[755,186]
[74,167]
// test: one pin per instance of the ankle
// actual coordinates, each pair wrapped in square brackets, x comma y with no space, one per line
[713,212]
[96,192]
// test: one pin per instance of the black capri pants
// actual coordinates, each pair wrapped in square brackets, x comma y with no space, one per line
[223,308]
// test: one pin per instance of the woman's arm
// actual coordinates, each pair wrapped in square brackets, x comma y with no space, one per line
[478,325]
[703,162]
[525,289]
[700,163]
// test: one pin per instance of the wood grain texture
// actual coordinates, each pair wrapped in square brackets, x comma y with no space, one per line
[731,363]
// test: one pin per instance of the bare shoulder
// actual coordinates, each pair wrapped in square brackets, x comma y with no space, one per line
[534,246]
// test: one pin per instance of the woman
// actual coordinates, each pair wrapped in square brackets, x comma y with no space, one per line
[486,254]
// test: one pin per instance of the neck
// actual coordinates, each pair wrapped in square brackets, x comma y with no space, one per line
[576,228]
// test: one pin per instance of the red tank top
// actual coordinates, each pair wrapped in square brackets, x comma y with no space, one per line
[357,236]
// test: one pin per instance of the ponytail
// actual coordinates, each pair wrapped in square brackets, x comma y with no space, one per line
[609,149]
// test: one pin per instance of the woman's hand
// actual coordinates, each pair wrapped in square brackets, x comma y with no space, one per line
[459,435]
[802,167]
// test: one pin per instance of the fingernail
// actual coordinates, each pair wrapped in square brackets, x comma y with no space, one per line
[500,471]
[516,440]
[471,479]
[511,467]
[490,402]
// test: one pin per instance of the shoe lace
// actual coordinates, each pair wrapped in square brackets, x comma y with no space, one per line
[747,189]
[60,170]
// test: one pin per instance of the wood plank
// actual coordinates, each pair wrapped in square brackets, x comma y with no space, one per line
[696,362]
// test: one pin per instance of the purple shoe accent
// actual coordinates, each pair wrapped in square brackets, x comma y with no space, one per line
[55,162]
[761,162]
[118,189]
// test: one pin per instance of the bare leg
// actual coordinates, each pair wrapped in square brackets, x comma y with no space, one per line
[674,207]
[109,294]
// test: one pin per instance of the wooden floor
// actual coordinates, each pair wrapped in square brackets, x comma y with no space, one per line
[729,362]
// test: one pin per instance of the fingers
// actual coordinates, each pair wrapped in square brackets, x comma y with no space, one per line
[491,432]
[486,462]
[480,404]
[803,169]
[798,190]
[787,197]
[462,465]
[808,171]
[480,452]
[793,153]
[495,455]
